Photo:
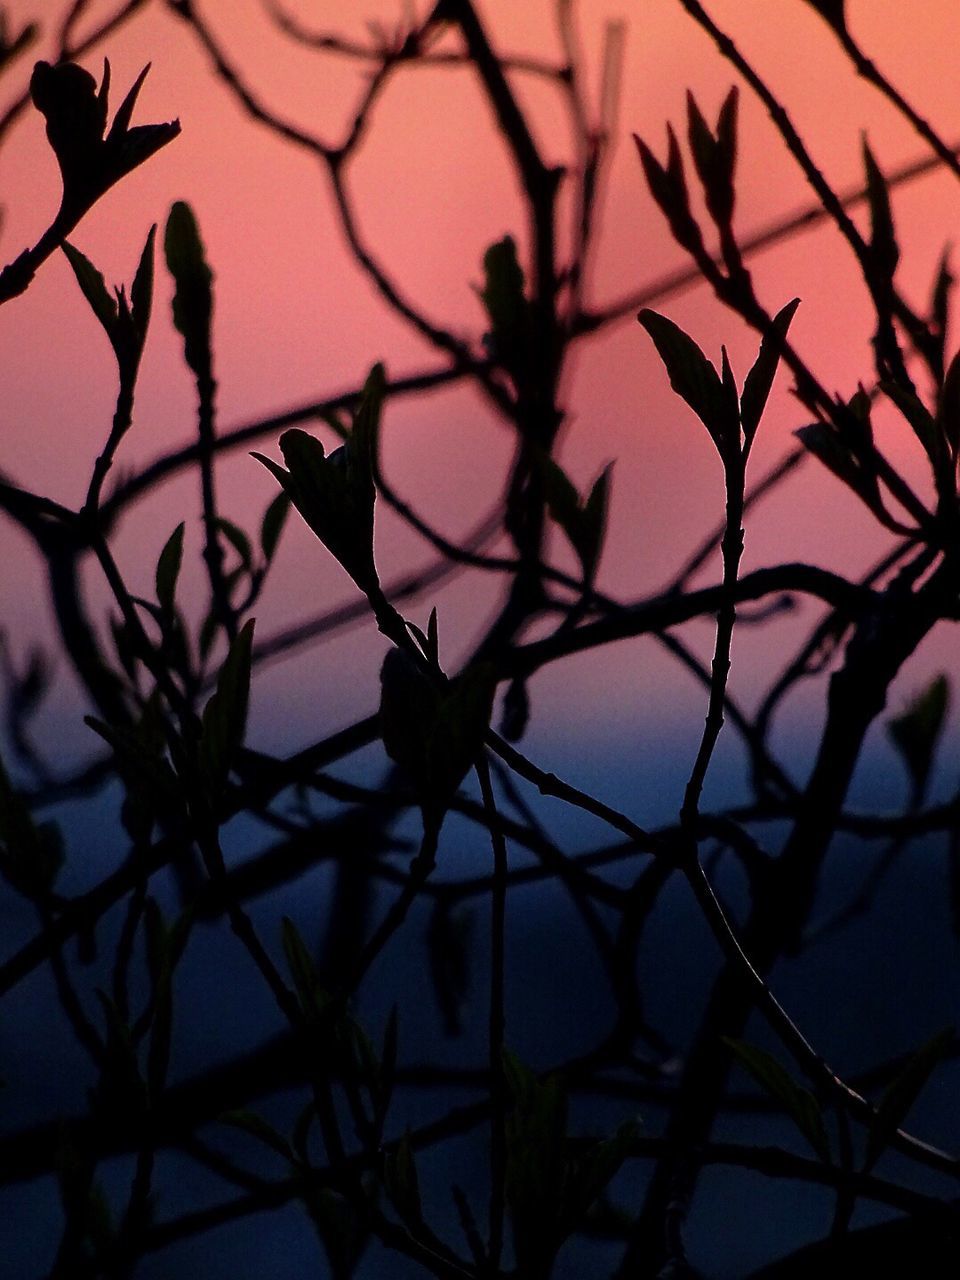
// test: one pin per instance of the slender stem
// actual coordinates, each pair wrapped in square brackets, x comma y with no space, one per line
[497,1028]
[420,870]
[732,549]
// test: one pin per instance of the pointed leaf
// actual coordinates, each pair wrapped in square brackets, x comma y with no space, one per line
[433,637]
[948,407]
[596,1169]
[563,501]
[714,159]
[401,1182]
[335,495]
[940,298]
[274,519]
[93,287]
[759,381]
[919,417]
[536,1132]
[594,521]
[824,443]
[314,998]
[669,189]
[225,715]
[140,761]
[121,121]
[727,131]
[883,239]
[364,434]
[141,291]
[419,635]
[300,1137]
[702,142]
[692,376]
[342,1226]
[799,1104]
[168,569]
[471,1232]
[903,1092]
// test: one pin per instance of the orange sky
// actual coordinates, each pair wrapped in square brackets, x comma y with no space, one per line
[295,319]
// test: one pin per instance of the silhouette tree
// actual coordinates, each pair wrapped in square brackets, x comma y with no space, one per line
[325,1100]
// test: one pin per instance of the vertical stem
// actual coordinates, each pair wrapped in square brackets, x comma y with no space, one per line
[212,550]
[732,550]
[497,1025]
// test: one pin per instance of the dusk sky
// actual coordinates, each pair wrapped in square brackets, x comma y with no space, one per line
[296,320]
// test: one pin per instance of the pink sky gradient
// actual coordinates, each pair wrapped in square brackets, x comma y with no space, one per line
[295,318]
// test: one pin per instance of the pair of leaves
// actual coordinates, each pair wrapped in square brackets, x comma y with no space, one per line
[668,186]
[152,787]
[801,1106]
[715,156]
[344,1046]
[929,431]
[85,1205]
[342,1224]
[224,720]
[896,1103]
[165,946]
[336,494]
[799,1103]
[174,647]
[91,159]
[121,1087]
[432,728]
[204,766]
[428,641]
[551,1181]
[584,522]
[124,320]
[846,447]
[730,417]
[312,995]
[249,569]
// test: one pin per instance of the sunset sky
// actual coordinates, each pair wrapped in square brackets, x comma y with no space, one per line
[296,319]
